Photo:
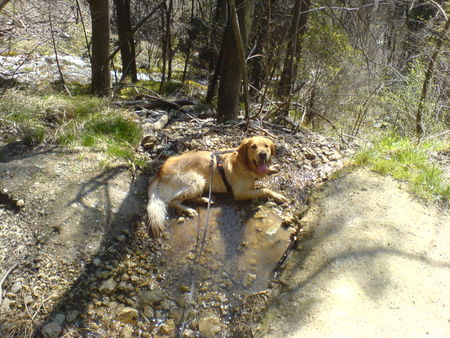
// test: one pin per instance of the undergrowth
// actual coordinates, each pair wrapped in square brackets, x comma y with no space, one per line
[406,160]
[71,121]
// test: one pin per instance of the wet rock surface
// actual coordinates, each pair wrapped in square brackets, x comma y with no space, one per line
[83,250]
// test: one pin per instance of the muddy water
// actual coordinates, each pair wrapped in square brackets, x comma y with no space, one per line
[240,251]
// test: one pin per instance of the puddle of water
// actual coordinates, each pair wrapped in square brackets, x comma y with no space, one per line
[241,247]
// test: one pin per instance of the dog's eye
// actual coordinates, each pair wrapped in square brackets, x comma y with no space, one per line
[266,145]
[254,146]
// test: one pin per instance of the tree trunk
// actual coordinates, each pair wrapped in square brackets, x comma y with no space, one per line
[164,50]
[215,65]
[126,41]
[3,3]
[101,76]
[428,77]
[232,70]
[298,28]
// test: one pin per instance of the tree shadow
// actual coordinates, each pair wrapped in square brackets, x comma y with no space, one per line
[106,233]
[332,249]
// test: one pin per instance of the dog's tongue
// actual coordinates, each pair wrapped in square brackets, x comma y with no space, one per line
[262,169]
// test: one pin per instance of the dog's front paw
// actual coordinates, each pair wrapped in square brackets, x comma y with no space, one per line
[191,212]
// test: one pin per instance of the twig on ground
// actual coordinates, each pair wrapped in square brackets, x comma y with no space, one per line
[3,280]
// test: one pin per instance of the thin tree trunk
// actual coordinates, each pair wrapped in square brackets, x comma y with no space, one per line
[126,40]
[169,40]
[164,51]
[52,33]
[426,82]
[285,84]
[293,51]
[188,52]
[215,65]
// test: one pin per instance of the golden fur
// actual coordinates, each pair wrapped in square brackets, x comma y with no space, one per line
[186,177]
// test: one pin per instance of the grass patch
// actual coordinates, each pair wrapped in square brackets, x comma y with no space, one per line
[408,161]
[115,135]
[72,120]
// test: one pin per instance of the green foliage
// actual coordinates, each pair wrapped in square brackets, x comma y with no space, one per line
[399,103]
[72,120]
[405,160]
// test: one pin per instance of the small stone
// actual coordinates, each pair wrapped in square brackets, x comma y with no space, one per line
[209,325]
[108,286]
[121,238]
[152,297]
[20,203]
[6,305]
[97,261]
[128,315]
[148,312]
[127,332]
[166,304]
[52,329]
[335,156]
[181,219]
[249,279]
[16,287]
[72,315]
[184,288]
[271,204]
[168,328]
[59,318]
[28,300]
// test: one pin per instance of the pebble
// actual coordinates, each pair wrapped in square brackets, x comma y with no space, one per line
[16,287]
[152,297]
[249,279]
[108,286]
[128,315]
[52,329]
[127,332]
[168,328]
[72,315]
[148,312]
[209,325]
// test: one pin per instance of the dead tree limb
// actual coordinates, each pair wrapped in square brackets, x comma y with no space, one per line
[155,104]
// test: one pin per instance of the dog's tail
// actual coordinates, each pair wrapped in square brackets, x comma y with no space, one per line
[156,210]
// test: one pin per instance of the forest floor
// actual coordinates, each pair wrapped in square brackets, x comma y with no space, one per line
[82,262]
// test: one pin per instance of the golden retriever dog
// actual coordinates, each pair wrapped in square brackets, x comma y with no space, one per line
[187,177]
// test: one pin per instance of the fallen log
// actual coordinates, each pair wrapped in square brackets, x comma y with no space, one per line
[155,103]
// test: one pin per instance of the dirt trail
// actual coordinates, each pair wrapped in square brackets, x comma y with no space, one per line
[374,262]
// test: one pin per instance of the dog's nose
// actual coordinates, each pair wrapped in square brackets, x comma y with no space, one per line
[263,155]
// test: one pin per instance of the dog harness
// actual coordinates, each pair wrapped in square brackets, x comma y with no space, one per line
[221,169]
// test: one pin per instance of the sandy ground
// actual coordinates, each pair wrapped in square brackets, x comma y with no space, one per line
[374,262]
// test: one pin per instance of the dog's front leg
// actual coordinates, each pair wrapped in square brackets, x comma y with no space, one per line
[259,193]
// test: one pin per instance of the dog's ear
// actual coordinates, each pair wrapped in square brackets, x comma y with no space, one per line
[242,150]
[272,148]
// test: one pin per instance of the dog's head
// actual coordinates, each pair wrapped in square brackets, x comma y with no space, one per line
[256,152]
